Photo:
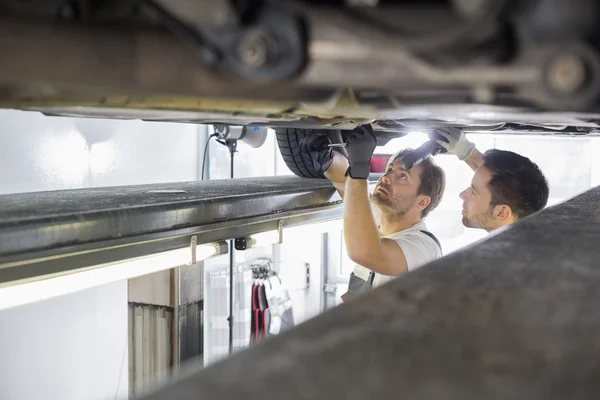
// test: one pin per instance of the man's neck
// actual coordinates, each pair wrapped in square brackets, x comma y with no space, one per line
[387,226]
[501,226]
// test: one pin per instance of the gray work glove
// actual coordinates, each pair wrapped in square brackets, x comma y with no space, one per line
[361,145]
[456,142]
[317,147]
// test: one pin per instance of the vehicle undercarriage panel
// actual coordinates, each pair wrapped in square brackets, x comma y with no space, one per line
[284,62]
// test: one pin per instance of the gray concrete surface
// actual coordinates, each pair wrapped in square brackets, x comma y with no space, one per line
[512,317]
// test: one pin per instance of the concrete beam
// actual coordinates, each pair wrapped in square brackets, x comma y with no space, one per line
[151,289]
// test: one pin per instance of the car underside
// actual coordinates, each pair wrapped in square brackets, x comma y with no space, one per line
[515,66]
[148,261]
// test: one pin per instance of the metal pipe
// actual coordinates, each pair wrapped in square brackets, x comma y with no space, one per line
[175,275]
[232,148]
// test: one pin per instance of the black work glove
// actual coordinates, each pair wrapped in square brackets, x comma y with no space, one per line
[361,145]
[317,147]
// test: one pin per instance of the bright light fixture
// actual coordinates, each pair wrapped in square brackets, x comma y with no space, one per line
[334,225]
[276,236]
[258,240]
[30,292]
[264,239]
[209,250]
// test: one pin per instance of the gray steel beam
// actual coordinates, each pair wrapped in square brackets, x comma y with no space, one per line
[513,317]
[59,232]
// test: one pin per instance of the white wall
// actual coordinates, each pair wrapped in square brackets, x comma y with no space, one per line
[297,250]
[51,153]
[75,346]
[69,347]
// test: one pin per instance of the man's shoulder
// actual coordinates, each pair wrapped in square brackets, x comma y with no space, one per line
[418,229]
[418,239]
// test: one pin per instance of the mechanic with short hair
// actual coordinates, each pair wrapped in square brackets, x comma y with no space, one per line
[505,188]
[396,239]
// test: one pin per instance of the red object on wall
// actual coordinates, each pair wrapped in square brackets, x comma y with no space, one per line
[379,162]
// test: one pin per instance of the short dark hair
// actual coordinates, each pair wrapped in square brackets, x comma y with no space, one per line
[516,181]
[433,181]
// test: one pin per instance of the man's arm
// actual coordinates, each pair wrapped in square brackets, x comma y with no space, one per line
[363,242]
[455,142]
[475,160]
[336,173]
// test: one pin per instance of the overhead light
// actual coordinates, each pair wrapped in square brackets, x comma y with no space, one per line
[260,239]
[333,225]
[254,136]
[257,240]
[30,292]
[276,236]
[205,251]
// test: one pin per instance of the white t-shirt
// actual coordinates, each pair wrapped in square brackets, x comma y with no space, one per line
[418,248]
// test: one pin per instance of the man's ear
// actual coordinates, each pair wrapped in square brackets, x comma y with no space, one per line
[502,212]
[423,202]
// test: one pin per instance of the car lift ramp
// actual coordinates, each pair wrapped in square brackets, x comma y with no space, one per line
[516,316]
[52,234]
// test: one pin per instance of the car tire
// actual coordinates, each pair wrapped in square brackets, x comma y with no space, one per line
[288,140]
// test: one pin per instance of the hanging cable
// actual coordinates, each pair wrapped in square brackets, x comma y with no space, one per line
[205,153]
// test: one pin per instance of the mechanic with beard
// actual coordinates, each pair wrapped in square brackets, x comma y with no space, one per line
[505,188]
[385,233]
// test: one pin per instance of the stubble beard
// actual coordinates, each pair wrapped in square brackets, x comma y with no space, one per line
[379,201]
[467,223]
[392,209]
[481,222]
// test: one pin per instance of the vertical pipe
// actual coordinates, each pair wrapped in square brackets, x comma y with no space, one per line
[175,327]
[231,261]
[324,271]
